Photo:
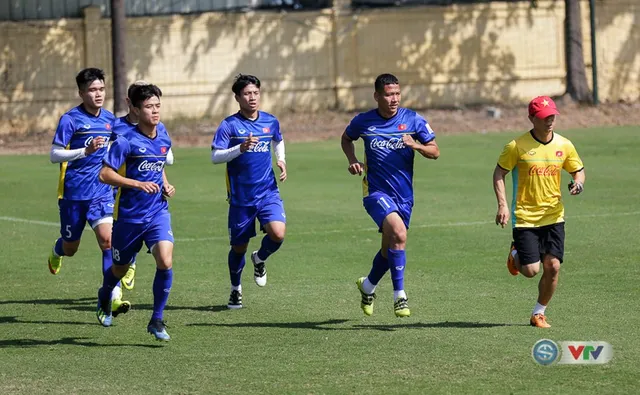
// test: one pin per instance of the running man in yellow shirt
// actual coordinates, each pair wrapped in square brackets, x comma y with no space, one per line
[535,160]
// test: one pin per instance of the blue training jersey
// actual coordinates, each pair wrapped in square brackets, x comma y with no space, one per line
[250,176]
[136,156]
[76,129]
[388,162]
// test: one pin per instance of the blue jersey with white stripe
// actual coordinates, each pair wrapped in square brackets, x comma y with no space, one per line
[388,162]
[250,176]
[139,157]
[76,129]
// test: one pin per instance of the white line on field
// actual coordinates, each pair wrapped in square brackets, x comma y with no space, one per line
[330,231]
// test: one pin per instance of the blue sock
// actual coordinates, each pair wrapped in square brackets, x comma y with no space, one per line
[397,260]
[378,269]
[268,247]
[109,281]
[236,264]
[57,248]
[107,260]
[161,288]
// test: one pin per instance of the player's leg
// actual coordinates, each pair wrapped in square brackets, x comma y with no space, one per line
[72,221]
[526,251]
[159,239]
[394,239]
[242,227]
[367,285]
[273,221]
[553,252]
[126,241]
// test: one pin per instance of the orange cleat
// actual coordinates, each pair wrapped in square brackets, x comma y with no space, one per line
[511,262]
[539,320]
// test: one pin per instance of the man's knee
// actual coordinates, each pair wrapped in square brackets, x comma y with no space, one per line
[277,233]
[70,248]
[119,270]
[530,270]
[551,265]
[240,248]
[105,244]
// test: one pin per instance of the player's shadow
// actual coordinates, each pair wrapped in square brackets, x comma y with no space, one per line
[72,302]
[426,325]
[72,341]
[320,325]
[16,320]
[147,306]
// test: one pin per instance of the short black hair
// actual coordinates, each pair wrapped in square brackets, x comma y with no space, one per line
[87,76]
[135,85]
[140,93]
[385,79]
[242,80]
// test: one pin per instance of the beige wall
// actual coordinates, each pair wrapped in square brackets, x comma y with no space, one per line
[495,52]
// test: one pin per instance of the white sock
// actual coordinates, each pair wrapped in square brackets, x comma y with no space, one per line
[238,288]
[399,295]
[116,293]
[539,309]
[367,287]
[257,258]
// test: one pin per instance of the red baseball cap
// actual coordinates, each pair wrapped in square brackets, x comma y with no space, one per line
[542,107]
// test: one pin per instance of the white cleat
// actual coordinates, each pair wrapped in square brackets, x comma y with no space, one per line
[259,270]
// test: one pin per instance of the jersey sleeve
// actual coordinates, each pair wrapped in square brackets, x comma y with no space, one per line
[222,137]
[572,163]
[423,130]
[117,153]
[65,130]
[277,135]
[509,156]
[353,130]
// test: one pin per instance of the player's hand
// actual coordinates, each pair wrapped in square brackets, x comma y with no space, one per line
[94,145]
[249,143]
[168,190]
[148,187]
[502,217]
[575,188]
[409,141]
[283,170]
[356,168]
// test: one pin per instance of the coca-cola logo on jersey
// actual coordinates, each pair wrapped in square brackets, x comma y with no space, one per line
[261,146]
[151,166]
[392,144]
[88,141]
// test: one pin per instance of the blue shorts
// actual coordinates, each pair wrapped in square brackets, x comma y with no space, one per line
[127,238]
[242,220]
[379,205]
[74,214]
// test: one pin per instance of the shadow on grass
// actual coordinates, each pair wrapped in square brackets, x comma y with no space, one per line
[321,325]
[15,320]
[71,341]
[284,325]
[81,301]
[149,307]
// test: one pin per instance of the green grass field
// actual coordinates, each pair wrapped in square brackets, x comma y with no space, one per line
[305,332]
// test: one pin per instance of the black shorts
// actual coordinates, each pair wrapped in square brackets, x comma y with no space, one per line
[533,244]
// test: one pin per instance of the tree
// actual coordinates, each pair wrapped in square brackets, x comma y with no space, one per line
[118,43]
[577,86]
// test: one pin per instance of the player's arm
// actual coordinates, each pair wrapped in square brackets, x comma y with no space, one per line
[429,150]
[169,160]
[502,217]
[573,165]
[425,139]
[349,149]
[278,148]
[220,151]
[114,159]
[577,184]
[168,190]
[65,130]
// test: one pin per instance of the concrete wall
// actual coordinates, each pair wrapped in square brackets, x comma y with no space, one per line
[308,61]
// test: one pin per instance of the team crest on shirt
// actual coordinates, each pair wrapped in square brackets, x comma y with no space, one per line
[266,130]
[559,154]
[107,126]
[402,126]
[163,150]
